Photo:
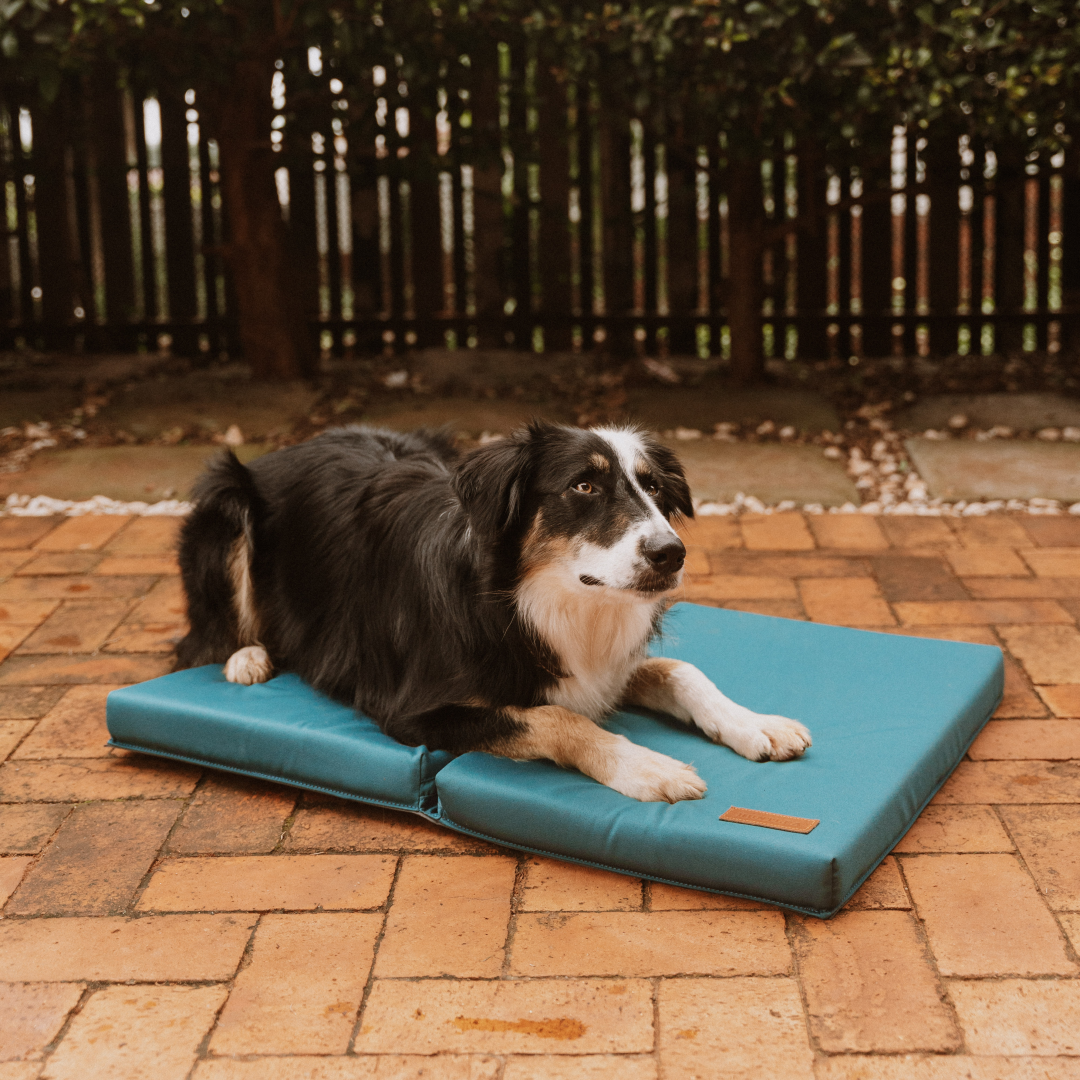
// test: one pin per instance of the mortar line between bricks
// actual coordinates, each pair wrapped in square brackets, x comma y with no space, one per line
[495,979]
[655,986]
[50,838]
[160,856]
[791,928]
[350,1047]
[931,957]
[33,727]
[166,848]
[34,860]
[36,857]
[229,984]
[516,897]
[290,820]
[49,1048]
[1070,952]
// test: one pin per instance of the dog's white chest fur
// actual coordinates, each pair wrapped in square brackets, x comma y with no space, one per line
[599,640]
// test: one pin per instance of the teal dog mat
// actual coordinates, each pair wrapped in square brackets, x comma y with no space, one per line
[890,716]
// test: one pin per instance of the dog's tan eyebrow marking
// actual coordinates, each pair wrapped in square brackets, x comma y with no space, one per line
[642,467]
[597,459]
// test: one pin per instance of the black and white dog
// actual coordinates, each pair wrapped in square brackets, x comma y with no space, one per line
[502,601]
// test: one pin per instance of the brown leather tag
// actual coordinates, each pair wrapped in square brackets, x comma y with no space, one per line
[766,820]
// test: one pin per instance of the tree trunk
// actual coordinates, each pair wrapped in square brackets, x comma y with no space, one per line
[746,291]
[269,298]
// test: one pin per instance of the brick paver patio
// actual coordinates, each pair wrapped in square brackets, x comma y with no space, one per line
[165,922]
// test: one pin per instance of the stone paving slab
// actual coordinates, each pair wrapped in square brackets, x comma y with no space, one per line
[152,407]
[463,414]
[292,935]
[127,473]
[702,406]
[1000,469]
[772,472]
[716,471]
[1022,412]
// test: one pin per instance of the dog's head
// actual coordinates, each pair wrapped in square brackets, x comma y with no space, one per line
[596,506]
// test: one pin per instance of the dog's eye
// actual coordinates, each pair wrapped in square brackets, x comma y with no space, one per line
[584,487]
[651,489]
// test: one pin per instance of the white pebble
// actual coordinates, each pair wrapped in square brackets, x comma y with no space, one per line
[686,434]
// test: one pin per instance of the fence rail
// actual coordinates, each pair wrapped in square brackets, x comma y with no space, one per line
[576,232]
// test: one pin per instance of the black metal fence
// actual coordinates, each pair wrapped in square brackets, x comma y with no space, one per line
[577,231]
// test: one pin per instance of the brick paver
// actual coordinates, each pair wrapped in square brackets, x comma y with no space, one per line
[984,916]
[656,943]
[232,815]
[137,1031]
[73,728]
[268,883]
[870,984]
[1063,700]
[557,886]
[95,863]
[845,601]
[738,1028]
[82,533]
[449,917]
[301,991]
[844,531]
[161,920]
[955,828]
[29,702]
[33,1015]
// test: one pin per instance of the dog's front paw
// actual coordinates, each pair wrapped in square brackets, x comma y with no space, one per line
[647,776]
[767,738]
[249,665]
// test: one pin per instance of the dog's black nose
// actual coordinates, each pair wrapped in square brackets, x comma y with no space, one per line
[665,553]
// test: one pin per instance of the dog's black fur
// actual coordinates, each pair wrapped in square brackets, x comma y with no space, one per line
[384,567]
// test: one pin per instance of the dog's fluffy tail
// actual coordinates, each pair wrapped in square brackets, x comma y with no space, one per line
[216,544]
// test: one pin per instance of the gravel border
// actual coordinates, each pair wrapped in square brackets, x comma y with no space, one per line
[871,449]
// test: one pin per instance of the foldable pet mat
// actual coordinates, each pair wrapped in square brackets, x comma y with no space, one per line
[890,716]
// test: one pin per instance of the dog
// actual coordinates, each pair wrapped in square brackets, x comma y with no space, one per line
[499,601]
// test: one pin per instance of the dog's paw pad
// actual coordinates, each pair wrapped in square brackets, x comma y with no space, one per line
[249,665]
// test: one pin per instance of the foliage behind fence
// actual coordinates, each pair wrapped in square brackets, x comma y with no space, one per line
[509,207]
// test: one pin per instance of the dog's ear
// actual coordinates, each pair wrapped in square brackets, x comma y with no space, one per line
[491,483]
[674,490]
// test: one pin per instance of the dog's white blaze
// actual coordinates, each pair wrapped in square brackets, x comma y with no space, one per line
[619,565]
[598,634]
